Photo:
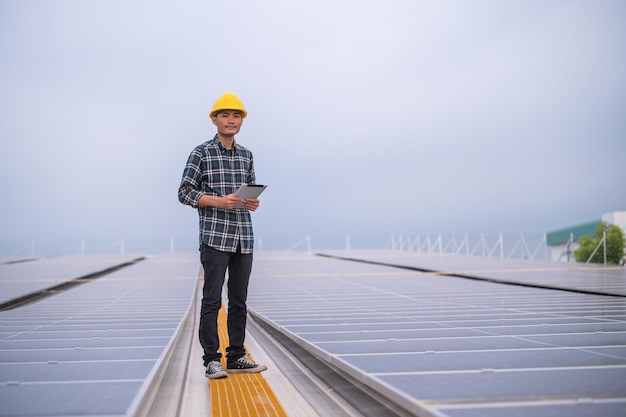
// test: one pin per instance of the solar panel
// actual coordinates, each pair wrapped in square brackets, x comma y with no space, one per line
[450,346]
[92,350]
[18,279]
[572,276]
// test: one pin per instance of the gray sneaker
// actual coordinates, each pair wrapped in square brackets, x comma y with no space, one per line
[243,365]
[215,370]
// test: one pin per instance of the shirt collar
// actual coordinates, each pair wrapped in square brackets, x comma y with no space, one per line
[223,148]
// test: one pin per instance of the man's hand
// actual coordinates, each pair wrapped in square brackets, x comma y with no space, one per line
[250,203]
[229,201]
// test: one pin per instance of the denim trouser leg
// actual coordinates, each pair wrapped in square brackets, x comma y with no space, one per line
[239,270]
[215,264]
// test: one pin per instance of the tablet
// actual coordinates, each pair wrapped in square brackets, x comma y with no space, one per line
[249,191]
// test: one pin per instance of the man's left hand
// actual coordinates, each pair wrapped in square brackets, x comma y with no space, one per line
[250,203]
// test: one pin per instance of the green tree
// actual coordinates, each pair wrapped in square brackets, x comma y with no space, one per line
[614,246]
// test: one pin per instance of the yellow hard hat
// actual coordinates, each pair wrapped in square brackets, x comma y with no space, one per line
[228,101]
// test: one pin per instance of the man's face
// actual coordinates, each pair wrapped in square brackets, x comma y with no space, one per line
[228,122]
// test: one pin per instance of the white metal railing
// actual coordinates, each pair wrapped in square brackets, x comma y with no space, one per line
[601,243]
[306,239]
[116,246]
[568,248]
[435,244]
[480,247]
[26,246]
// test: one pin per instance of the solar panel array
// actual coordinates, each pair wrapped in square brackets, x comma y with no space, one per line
[20,278]
[580,277]
[436,344]
[442,345]
[92,350]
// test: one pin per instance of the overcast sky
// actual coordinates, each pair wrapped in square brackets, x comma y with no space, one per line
[366,118]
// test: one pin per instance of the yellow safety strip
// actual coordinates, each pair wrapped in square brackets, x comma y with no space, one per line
[241,395]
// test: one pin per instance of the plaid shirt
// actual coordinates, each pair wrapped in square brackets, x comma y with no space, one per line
[212,169]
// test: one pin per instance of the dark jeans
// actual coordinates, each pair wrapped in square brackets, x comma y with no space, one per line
[215,264]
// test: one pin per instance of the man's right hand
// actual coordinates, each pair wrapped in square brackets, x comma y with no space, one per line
[229,201]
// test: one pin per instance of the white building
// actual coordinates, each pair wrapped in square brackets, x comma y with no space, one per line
[563,242]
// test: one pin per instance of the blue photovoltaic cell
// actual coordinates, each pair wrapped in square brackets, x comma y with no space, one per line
[530,385]
[576,409]
[68,398]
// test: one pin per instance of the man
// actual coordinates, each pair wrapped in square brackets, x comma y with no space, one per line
[214,170]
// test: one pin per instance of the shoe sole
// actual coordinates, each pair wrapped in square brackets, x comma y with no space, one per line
[254,370]
[217,375]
